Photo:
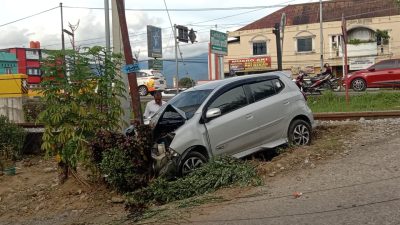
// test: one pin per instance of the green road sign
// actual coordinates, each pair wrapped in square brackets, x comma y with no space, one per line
[219,42]
[156,64]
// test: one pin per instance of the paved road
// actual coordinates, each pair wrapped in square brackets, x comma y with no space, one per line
[360,188]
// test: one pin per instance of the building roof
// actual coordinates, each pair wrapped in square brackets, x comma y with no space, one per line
[332,11]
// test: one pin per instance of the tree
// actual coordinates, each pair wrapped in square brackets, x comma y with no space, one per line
[81,98]
[186,82]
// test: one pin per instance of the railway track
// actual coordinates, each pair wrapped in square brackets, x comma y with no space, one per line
[317,116]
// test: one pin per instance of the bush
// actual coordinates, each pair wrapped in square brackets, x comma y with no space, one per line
[218,173]
[122,172]
[32,110]
[126,161]
[12,139]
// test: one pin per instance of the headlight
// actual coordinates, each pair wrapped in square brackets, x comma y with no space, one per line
[173,153]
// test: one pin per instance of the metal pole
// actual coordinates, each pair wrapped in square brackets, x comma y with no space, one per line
[62,29]
[107,22]
[129,60]
[321,34]
[176,60]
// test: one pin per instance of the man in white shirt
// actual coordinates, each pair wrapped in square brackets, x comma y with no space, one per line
[154,105]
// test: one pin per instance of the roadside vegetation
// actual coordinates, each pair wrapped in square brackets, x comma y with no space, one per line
[331,102]
[220,172]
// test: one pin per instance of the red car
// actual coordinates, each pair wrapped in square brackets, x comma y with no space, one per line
[383,74]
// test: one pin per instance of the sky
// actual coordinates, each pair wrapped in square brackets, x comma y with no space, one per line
[46,27]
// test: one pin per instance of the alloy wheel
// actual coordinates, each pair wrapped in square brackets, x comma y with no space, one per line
[191,163]
[301,135]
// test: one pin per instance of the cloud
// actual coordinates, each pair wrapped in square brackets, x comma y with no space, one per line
[14,37]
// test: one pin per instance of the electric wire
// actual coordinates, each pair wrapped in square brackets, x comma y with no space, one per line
[27,17]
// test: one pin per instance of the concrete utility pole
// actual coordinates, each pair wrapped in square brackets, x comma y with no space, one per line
[117,49]
[129,60]
[107,23]
[176,60]
[62,29]
[321,34]
[277,33]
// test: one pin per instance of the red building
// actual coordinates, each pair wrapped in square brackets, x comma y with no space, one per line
[29,61]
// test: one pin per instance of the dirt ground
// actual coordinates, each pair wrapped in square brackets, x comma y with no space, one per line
[33,195]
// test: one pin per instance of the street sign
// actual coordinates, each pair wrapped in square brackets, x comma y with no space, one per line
[218,42]
[155,64]
[154,41]
[130,68]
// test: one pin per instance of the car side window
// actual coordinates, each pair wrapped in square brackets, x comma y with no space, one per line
[262,90]
[265,89]
[387,64]
[230,100]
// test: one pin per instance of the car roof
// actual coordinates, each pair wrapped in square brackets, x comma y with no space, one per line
[218,83]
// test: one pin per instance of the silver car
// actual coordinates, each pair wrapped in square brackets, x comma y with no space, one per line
[236,116]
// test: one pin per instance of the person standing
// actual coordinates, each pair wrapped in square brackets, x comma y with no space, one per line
[154,105]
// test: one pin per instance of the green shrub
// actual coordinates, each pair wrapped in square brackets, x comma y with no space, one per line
[32,109]
[126,161]
[12,139]
[219,172]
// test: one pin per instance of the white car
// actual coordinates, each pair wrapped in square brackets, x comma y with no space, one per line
[236,116]
[150,80]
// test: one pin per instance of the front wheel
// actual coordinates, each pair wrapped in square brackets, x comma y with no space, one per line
[192,161]
[358,84]
[142,90]
[299,133]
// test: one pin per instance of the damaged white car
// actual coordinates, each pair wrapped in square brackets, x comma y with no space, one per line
[236,116]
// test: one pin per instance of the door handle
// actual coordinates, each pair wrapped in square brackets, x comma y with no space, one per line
[390,72]
[249,116]
[286,103]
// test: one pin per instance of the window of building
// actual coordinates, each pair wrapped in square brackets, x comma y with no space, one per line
[8,70]
[33,71]
[259,48]
[304,44]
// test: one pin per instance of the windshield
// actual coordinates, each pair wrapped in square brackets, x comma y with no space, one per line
[190,101]
[157,74]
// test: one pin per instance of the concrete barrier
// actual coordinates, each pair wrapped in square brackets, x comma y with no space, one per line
[13,88]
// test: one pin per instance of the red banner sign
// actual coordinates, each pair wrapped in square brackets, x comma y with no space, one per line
[250,64]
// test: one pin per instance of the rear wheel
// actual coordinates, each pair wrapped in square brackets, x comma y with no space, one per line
[299,133]
[192,161]
[358,84]
[143,90]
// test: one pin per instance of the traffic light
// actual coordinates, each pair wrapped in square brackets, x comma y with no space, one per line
[183,35]
[192,35]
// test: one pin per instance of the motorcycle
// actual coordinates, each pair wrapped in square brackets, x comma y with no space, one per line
[317,84]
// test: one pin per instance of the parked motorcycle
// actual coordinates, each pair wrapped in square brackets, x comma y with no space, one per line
[316,85]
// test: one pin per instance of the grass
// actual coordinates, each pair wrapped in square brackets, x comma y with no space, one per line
[330,102]
[220,172]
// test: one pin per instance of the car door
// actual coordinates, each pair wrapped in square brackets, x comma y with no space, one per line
[270,109]
[382,75]
[396,75]
[230,132]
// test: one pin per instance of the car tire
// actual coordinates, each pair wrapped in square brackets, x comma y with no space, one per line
[358,84]
[143,90]
[299,133]
[192,160]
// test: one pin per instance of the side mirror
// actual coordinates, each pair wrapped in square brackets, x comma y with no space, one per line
[372,69]
[212,113]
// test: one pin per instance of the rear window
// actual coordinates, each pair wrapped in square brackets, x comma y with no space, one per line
[157,73]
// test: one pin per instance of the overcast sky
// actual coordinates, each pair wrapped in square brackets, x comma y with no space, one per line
[46,26]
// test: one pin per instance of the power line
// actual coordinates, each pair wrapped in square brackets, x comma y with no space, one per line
[186,9]
[27,17]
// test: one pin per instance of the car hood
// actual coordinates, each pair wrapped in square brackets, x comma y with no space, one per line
[155,119]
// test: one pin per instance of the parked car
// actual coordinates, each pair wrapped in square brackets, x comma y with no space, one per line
[237,116]
[383,74]
[150,80]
